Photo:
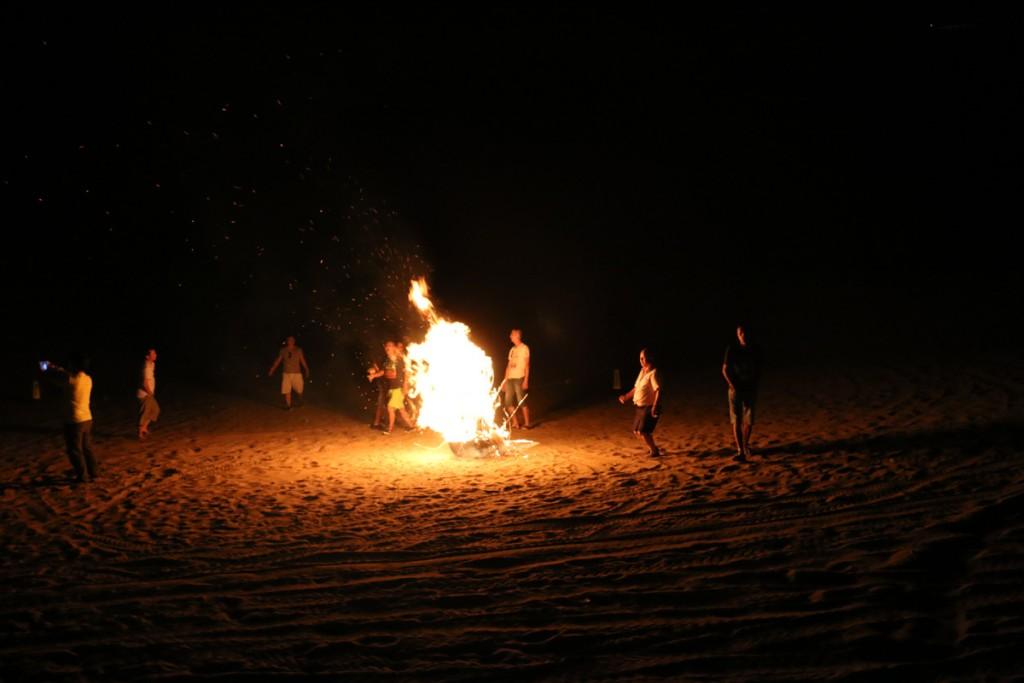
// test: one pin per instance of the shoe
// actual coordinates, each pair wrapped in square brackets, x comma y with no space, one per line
[385,432]
[656,453]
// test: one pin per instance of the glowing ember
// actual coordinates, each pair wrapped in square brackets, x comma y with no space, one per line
[454,377]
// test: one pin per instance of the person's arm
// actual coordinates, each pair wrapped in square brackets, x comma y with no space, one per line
[274,366]
[526,375]
[656,406]
[725,369]
[302,362]
[508,364]
[148,381]
[56,375]
[628,395]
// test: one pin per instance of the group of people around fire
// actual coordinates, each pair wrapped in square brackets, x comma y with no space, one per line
[741,370]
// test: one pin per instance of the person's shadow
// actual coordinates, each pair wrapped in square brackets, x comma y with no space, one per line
[972,437]
[47,482]
[30,429]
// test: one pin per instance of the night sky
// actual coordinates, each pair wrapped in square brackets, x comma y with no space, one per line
[209,181]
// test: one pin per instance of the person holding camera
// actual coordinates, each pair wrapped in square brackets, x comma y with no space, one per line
[77,386]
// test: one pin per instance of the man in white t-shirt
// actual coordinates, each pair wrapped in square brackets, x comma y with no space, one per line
[517,379]
[646,395]
[149,409]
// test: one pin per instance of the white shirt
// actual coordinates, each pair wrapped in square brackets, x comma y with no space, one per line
[148,387]
[518,357]
[646,385]
[78,392]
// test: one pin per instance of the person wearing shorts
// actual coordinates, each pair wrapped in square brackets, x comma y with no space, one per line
[741,369]
[294,363]
[398,388]
[517,380]
[646,397]
[149,409]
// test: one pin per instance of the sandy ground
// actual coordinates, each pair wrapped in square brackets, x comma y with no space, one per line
[879,534]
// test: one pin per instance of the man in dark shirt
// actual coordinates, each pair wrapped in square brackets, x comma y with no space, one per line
[398,387]
[741,369]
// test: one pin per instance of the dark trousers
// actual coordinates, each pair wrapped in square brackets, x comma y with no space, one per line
[382,400]
[78,436]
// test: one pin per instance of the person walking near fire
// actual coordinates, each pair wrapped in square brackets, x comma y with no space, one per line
[646,396]
[394,374]
[517,380]
[375,375]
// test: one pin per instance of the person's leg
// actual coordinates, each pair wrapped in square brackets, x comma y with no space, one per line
[518,396]
[521,405]
[143,431]
[737,424]
[509,403]
[650,423]
[638,423]
[748,417]
[382,403]
[286,389]
[90,460]
[396,405]
[406,419]
[73,442]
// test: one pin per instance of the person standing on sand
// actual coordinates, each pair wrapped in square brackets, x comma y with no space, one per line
[149,409]
[376,377]
[517,380]
[291,376]
[741,369]
[78,420]
[646,395]
[398,387]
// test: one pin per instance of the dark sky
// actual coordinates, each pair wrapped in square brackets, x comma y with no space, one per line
[207,180]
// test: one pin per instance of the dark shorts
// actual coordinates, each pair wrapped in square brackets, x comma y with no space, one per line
[741,406]
[513,392]
[643,421]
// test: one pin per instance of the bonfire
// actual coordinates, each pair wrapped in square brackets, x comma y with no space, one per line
[455,380]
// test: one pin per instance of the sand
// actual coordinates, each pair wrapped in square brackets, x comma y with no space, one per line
[878,533]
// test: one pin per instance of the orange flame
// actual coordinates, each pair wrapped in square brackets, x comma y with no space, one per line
[453,376]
